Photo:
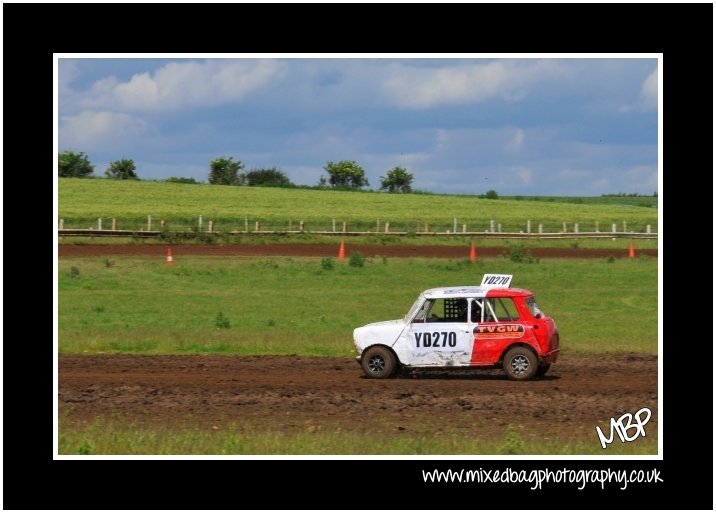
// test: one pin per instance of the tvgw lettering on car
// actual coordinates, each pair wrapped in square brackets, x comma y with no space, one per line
[486,326]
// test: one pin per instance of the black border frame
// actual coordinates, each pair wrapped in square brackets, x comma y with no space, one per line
[33,480]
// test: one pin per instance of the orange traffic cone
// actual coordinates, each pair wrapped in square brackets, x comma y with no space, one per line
[473,252]
[631,249]
[342,252]
[170,259]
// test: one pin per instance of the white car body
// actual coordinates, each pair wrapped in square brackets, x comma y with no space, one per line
[391,333]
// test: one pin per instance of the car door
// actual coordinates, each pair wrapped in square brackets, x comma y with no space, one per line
[499,328]
[439,335]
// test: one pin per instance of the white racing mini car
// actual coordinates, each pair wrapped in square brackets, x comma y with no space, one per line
[488,326]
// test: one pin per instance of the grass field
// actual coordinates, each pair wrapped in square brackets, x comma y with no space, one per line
[83,201]
[623,201]
[122,437]
[246,306]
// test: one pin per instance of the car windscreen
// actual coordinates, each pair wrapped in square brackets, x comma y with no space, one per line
[414,309]
[533,308]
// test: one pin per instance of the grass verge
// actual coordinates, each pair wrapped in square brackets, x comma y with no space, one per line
[305,306]
[102,437]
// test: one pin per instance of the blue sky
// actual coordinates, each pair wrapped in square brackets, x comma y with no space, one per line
[521,126]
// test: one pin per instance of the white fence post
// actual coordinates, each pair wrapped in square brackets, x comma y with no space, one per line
[99,223]
[576,227]
[492,226]
[62,224]
[149,223]
[529,226]
[114,223]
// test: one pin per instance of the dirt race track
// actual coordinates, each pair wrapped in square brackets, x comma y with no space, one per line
[309,394]
[327,250]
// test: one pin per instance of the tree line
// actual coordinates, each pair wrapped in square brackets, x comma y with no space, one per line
[77,165]
[227,171]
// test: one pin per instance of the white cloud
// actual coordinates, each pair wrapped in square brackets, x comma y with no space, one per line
[525,175]
[181,85]
[441,138]
[504,179]
[306,175]
[67,71]
[419,88]
[407,159]
[643,178]
[601,185]
[648,95]
[572,174]
[89,127]
[650,91]
[515,143]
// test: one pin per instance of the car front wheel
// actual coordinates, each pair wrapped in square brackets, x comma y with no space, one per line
[378,362]
[520,363]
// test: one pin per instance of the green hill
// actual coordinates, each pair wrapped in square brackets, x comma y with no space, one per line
[83,201]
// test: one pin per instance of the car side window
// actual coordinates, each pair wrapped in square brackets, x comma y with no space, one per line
[476,310]
[447,310]
[504,309]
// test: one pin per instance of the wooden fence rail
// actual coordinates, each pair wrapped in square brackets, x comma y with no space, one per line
[259,232]
[385,228]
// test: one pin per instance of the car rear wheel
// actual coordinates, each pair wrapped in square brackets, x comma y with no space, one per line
[520,363]
[378,362]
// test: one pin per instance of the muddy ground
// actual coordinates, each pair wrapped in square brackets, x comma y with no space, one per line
[308,394]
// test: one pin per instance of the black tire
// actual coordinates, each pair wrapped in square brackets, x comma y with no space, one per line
[520,363]
[378,362]
[542,370]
